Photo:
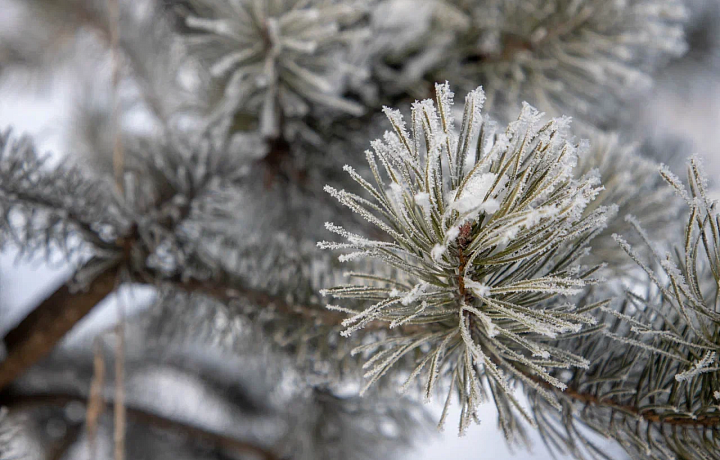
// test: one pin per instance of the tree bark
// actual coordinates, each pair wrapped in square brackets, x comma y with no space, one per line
[37,334]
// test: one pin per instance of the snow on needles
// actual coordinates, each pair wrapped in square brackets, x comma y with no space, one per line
[478,242]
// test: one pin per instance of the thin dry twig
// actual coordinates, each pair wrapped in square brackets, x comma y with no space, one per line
[119,410]
[120,423]
[96,402]
[118,167]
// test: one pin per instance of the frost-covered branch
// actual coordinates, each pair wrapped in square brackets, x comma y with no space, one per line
[485,229]
[54,209]
[568,57]
[278,59]
[652,384]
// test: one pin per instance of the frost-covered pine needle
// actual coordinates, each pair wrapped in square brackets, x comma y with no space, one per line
[483,235]
[277,58]
[574,57]
[655,372]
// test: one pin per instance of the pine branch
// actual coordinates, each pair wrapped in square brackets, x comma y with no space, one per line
[650,416]
[228,291]
[21,402]
[485,286]
[485,230]
[37,334]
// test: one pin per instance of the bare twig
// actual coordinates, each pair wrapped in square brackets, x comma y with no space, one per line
[96,403]
[119,432]
[118,168]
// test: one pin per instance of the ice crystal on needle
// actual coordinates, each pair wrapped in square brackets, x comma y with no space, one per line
[484,233]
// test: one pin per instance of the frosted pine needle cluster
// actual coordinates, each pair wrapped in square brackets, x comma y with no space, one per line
[484,229]
[276,58]
[633,185]
[655,366]
[689,279]
[563,56]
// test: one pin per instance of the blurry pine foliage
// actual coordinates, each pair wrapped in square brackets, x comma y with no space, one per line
[310,234]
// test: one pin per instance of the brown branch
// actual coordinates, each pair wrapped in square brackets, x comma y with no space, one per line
[650,416]
[36,335]
[22,402]
[463,240]
[226,292]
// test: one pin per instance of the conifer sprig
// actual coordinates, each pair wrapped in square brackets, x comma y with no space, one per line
[277,58]
[654,378]
[574,57]
[484,229]
[627,176]
[49,209]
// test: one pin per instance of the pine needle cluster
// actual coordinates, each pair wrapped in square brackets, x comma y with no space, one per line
[484,229]
[275,58]
[632,184]
[467,263]
[651,385]
[565,57]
